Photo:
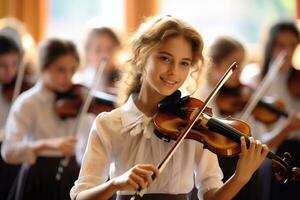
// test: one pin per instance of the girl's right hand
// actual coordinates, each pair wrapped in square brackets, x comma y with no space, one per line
[137,177]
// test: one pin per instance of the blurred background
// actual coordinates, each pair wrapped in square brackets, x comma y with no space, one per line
[246,20]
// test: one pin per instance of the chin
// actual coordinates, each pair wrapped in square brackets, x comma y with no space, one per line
[167,91]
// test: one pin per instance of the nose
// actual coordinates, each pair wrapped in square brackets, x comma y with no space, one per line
[172,68]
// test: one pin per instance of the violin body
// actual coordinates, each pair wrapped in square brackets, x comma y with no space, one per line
[170,126]
[68,104]
[233,100]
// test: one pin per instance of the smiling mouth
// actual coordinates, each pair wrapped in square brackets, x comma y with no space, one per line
[169,82]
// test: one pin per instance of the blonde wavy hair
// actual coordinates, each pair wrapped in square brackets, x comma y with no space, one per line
[150,35]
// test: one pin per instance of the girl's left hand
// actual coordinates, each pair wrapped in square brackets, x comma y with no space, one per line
[250,159]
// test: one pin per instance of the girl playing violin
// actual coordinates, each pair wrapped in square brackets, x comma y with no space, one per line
[36,136]
[283,36]
[165,51]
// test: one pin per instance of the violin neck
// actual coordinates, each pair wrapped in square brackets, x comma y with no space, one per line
[218,126]
[273,108]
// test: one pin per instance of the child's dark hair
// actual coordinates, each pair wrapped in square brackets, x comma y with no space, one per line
[277,28]
[52,49]
[223,47]
[8,45]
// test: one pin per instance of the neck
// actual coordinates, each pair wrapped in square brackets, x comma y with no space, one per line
[147,101]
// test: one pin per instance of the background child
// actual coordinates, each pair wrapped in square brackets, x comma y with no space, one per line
[10,58]
[36,136]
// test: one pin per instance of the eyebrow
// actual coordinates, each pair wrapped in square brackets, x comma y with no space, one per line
[164,52]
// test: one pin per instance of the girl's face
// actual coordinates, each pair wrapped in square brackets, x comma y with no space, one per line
[102,45]
[9,63]
[168,66]
[285,40]
[58,75]
[220,68]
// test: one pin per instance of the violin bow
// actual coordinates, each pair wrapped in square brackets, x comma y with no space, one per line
[19,80]
[139,194]
[264,85]
[83,110]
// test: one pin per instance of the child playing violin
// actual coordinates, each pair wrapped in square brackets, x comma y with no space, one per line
[165,50]
[10,57]
[283,36]
[36,136]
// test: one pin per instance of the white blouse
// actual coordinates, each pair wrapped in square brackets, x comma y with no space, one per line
[32,117]
[124,137]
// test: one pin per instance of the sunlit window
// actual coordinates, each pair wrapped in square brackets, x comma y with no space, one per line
[70,18]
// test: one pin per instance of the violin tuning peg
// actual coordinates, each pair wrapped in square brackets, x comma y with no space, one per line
[295,174]
[287,157]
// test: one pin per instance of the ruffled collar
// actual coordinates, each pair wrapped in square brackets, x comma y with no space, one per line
[134,121]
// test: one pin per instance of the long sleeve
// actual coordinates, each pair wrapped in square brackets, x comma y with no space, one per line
[20,119]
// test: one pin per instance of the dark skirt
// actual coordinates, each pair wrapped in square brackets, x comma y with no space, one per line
[36,182]
[8,175]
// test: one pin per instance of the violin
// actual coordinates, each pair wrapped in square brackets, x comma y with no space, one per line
[9,88]
[68,104]
[293,82]
[221,136]
[233,100]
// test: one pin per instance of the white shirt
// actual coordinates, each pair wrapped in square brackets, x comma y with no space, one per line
[32,117]
[4,109]
[125,138]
